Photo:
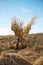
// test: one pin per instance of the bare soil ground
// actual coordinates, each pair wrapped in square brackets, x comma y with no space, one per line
[31,54]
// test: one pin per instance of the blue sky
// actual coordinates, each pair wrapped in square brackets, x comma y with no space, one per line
[23,10]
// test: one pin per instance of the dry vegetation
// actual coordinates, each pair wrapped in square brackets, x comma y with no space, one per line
[18,29]
[30,53]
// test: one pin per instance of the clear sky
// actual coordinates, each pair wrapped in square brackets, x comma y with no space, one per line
[23,10]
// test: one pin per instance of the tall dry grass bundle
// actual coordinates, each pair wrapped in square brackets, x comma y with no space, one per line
[17,27]
[28,27]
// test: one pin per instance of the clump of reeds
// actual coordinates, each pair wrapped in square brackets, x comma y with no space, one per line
[17,27]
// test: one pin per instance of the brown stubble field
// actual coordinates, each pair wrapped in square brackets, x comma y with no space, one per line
[31,54]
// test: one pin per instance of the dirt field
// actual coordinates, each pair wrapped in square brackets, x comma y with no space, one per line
[30,54]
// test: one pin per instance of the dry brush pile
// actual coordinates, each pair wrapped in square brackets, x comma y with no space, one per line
[20,32]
